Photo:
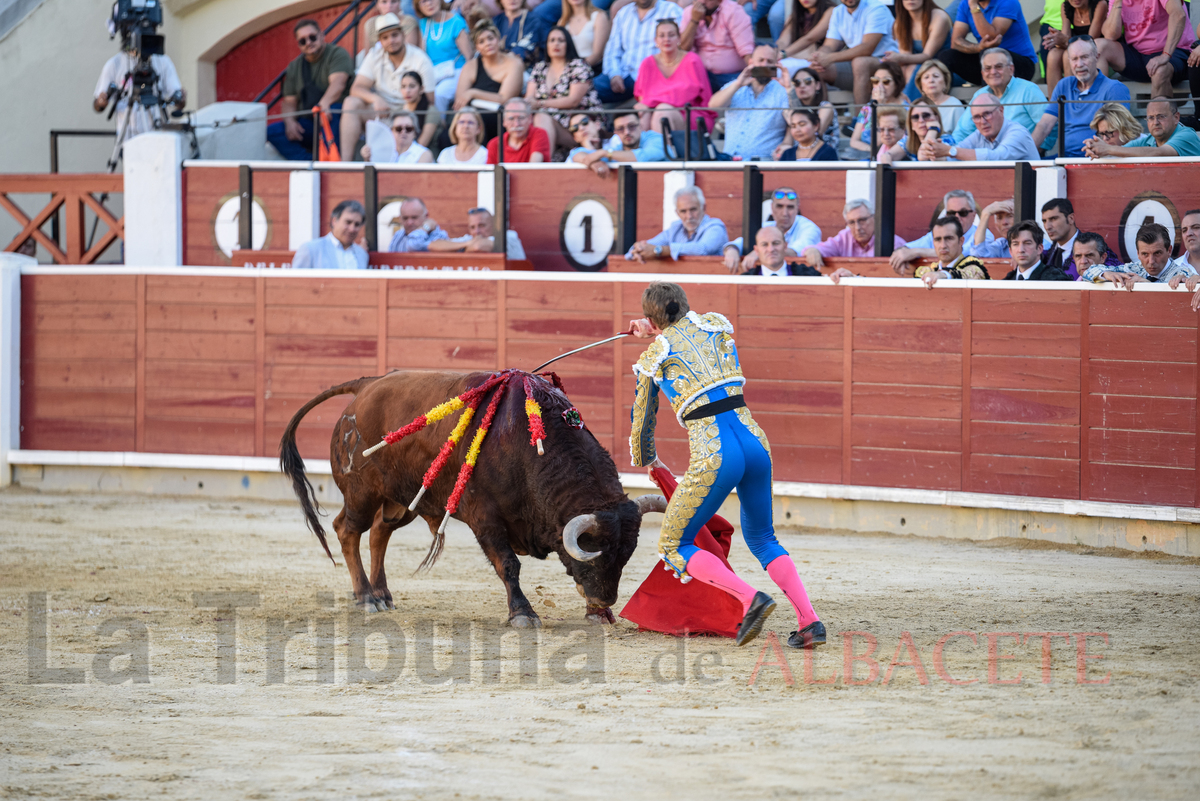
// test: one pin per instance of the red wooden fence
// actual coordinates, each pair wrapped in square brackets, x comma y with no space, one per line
[75,195]
[1063,393]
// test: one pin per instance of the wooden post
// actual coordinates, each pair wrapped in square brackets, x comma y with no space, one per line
[752,198]
[885,209]
[501,219]
[1024,192]
[627,189]
[371,205]
[246,216]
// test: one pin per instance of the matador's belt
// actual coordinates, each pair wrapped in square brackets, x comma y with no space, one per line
[716,407]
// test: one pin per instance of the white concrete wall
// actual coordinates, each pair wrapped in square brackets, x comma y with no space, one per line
[10,358]
[153,200]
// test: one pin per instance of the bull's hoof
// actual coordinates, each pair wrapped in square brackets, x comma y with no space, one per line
[601,616]
[375,603]
[530,621]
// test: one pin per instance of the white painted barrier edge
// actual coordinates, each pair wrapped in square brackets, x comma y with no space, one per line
[785,489]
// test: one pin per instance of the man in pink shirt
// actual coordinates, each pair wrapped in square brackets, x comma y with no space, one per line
[720,32]
[1148,41]
[855,241]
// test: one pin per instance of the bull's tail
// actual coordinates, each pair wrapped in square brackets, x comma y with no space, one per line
[292,464]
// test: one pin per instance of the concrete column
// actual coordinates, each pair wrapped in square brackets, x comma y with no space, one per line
[304,207]
[1050,182]
[485,191]
[860,184]
[154,200]
[673,181]
[10,358]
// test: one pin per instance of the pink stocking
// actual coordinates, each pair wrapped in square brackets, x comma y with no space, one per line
[711,570]
[783,572]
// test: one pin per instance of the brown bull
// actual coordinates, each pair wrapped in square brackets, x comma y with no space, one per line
[568,502]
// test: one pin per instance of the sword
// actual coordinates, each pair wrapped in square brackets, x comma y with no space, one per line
[577,350]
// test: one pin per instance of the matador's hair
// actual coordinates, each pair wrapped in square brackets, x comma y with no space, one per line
[664,303]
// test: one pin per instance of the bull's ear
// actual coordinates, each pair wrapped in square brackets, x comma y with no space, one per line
[651,503]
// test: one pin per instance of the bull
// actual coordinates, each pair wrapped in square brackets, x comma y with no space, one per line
[568,502]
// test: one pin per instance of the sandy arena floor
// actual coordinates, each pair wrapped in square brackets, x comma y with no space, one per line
[478,712]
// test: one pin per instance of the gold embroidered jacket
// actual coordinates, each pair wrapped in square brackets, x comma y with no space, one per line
[691,357]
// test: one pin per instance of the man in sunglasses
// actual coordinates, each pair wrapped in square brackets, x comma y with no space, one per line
[1087,84]
[629,143]
[957,203]
[799,233]
[319,76]
[995,138]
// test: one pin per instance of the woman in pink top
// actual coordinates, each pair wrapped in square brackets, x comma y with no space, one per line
[669,80]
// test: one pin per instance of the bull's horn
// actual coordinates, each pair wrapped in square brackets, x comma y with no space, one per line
[582,524]
[651,503]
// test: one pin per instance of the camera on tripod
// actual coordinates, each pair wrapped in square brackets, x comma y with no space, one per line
[137,21]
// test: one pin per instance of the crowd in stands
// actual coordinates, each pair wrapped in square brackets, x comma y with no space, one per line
[751,81]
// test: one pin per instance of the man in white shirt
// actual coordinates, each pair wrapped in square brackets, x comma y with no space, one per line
[337,249]
[376,87]
[799,233]
[480,238]
[957,203]
[860,31]
[117,72]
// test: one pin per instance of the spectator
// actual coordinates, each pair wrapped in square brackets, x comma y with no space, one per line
[376,87]
[337,249]
[1025,242]
[632,41]
[922,123]
[562,81]
[860,32]
[447,42]
[1023,101]
[631,143]
[995,139]
[316,77]
[589,27]
[1157,38]
[523,33]
[933,81]
[806,144]
[805,30]
[490,79]
[412,91]
[799,232]
[523,141]
[480,238]
[466,133]
[920,31]
[369,35]
[585,130]
[890,132]
[1082,20]
[956,203]
[887,89]
[855,241]
[1090,250]
[770,253]
[1153,263]
[719,31]
[1189,229]
[669,80]
[809,91]
[404,132]
[994,23]
[1058,221]
[1086,84]
[947,236]
[417,229]
[1194,78]
[693,234]
[754,125]
[1166,138]
[1114,125]
[997,218]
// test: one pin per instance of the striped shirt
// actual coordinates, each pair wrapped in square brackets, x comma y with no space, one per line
[1172,269]
[632,39]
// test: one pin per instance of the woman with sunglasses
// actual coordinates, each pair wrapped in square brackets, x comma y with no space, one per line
[933,81]
[1079,18]
[1114,125]
[887,89]
[466,133]
[562,81]
[920,31]
[923,122]
[809,91]
[803,127]
[404,132]
[586,131]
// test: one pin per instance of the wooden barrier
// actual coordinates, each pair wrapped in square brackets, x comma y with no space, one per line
[1059,392]
[715,265]
[276,259]
[75,194]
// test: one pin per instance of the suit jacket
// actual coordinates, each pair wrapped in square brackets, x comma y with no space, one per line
[793,269]
[1043,272]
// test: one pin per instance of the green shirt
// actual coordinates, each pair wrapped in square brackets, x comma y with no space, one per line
[1052,15]
[333,59]
[1184,141]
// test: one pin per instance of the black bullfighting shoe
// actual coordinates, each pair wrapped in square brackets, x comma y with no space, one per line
[810,636]
[760,609]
